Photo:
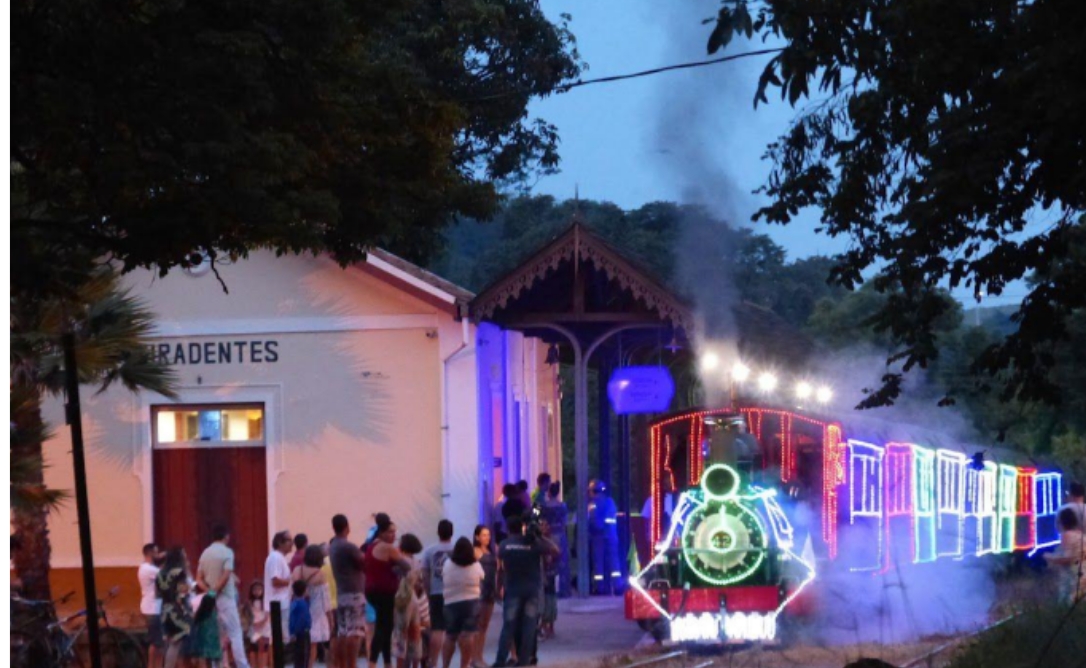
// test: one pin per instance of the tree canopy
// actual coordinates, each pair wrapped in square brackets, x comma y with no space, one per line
[946,141]
[147,132]
[477,253]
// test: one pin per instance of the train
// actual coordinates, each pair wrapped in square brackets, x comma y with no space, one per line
[749,504]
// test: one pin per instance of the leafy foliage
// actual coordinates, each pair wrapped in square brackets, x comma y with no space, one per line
[939,136]
[145,132]
[478,253]
[111,330]
[28,493]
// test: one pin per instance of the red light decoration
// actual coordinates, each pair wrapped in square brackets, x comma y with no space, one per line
[654,484]
[1026,508]
[667,460]
[833,475]
[697,456]
[788,471]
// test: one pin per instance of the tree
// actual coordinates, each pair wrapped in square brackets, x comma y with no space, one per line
[111,329]
[149,132]
[947,143]
[28,491]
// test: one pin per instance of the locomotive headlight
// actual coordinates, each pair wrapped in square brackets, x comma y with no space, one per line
[824,394]
[709,361]
[804,390]
[740,372]
[767,382]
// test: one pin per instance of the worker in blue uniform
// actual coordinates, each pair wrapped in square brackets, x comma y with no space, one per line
[603,539]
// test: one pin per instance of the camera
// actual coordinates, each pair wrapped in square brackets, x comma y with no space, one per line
[531,526]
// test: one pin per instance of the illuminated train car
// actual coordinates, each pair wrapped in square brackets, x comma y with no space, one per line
[761,498]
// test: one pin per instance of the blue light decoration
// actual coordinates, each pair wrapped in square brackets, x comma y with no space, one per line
[640,389]
[980,507]
[866,497]
[924,504]
[1047,495]
[950,502]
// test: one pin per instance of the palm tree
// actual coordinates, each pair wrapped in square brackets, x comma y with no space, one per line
[111,329]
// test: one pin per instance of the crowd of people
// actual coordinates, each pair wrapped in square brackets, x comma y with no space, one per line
[1070,557]
[386,598]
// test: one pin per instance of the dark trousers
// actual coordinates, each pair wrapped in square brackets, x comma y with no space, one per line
[520,620]
[606,571]
[382,632]
[301,650]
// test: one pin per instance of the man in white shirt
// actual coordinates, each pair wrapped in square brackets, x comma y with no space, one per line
[216,575]
[277,579]
[151,605]
[1076,501]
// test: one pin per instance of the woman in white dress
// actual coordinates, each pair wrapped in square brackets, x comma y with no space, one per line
[320,601]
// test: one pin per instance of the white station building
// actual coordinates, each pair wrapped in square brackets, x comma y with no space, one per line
[308,390]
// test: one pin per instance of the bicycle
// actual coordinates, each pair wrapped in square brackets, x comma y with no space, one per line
[42,641]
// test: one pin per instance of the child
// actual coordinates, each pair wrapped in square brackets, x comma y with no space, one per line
[257,625]
[422,600]
[550,588]
[205,646]
[300,624]
[407,626]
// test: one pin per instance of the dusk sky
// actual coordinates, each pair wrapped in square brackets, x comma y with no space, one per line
[688,136]
[683,136]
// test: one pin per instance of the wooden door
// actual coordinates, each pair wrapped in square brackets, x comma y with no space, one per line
[196,488]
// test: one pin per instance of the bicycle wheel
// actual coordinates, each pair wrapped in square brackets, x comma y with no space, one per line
[30,651]
[120,650]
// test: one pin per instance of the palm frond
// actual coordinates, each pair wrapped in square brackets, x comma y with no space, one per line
[112,328]
[27,495]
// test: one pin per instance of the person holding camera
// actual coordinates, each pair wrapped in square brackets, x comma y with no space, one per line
[521,556]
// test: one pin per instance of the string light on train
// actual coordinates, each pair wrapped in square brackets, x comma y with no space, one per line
[740,372]
[710,361]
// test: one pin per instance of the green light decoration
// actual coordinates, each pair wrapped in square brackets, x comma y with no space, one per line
[723,541]
[720,482]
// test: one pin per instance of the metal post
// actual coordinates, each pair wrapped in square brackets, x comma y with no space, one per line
[278,660]
[75,422]
[604,407]
[624,491]
[580,449]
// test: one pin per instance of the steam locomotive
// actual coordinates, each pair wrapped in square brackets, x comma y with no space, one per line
[749,504]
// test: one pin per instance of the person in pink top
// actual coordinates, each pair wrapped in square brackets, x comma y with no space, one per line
[301,541]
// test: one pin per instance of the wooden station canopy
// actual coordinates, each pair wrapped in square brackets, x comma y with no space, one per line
[581,291]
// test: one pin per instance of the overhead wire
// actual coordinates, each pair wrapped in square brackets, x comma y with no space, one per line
[564,88]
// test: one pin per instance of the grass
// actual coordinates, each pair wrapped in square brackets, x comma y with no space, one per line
[1045,637]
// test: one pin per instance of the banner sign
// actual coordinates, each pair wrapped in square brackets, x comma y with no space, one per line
[640,389]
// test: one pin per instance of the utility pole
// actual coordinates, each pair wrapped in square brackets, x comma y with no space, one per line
[75,420]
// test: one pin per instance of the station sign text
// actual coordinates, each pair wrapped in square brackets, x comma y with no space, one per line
[216,352]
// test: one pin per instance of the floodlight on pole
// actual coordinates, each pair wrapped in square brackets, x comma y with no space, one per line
[824,394]
[804,390]
[709,361]
[740,372]
[767,382]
